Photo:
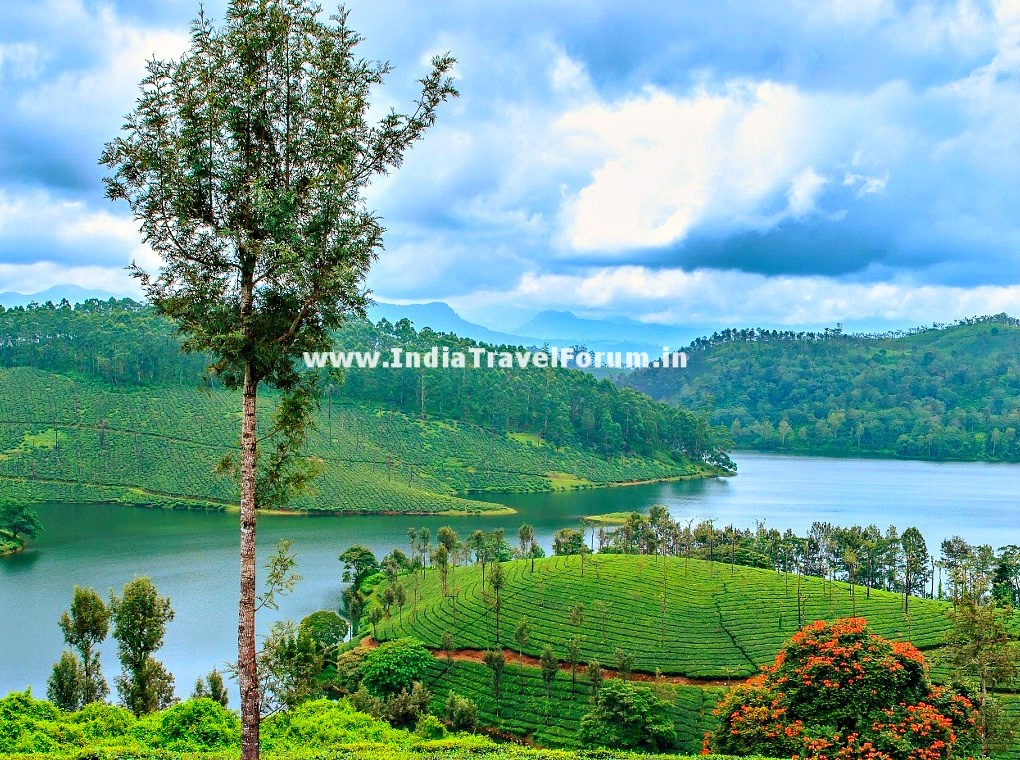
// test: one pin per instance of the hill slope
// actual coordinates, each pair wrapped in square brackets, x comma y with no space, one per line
[98,404]
[701,625]
[68,439]
[941,393]
[717,622]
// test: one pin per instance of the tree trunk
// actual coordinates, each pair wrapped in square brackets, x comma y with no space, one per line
[246,666]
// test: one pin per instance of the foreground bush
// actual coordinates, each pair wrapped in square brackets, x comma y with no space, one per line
[836,691]
[201,729]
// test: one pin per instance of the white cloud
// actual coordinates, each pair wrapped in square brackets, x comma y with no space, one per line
[721,160]
[100,96]
[40,214]
[676,296]
[804,190]
[19,60]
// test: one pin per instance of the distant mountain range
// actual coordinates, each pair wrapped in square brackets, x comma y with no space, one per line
[558,328]
[441,318]
[629,334]
[73,293]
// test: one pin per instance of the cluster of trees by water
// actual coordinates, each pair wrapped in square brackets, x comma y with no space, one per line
[139,618]
[864,556]
[18,523]
[946,392]
[126,344]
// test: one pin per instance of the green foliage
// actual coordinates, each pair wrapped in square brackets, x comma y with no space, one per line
[320,724]
[983,655]
[835,690]
[556,722]
[569,541]
[281,577]
[495,661]
[27,724]
[406,708]
[429,727]
[99,721]
[34,730]
[347,673]
[461,713]
[394,666]
[946,392]
[290,666]
[197,725]
[19,520]
[212,687]
[66,683]
[627,716]
[359,563]
[84,628]
[326,628]
[139,619]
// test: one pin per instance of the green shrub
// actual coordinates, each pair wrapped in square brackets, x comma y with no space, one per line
[101,721]
[193,726]
[430,728]
[395,666]
[327,629]
[461,713]
[347,674]
[28,724]
[321,724]
[628,716]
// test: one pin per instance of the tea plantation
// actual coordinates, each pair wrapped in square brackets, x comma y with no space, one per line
[74,440]
[694,618]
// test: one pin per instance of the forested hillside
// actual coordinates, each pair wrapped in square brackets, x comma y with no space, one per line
[99,405]
[946,392]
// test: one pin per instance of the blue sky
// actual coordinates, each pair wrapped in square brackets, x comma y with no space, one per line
[788,163]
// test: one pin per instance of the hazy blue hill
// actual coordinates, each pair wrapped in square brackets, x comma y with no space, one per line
[73,293]
[620,334]
[440,317]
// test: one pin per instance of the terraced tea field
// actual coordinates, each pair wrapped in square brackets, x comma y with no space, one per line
[62,439]
[694,618]
[525,713]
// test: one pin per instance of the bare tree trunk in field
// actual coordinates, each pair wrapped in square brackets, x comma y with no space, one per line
[246,668]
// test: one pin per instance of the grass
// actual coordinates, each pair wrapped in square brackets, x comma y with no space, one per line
[609,518]
[68,440]
[716,623]
[564,481]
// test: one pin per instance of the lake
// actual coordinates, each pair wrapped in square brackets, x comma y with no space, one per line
[192,556]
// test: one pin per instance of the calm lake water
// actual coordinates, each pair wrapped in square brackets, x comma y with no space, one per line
[192,557]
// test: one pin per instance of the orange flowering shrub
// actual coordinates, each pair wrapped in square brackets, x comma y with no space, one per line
[837,692]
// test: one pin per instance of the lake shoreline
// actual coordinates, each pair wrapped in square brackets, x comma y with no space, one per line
[866,456]
[209,505]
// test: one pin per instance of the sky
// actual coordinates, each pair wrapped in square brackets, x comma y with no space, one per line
[791,163]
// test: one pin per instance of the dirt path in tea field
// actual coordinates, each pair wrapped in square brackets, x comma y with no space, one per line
[512,658]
